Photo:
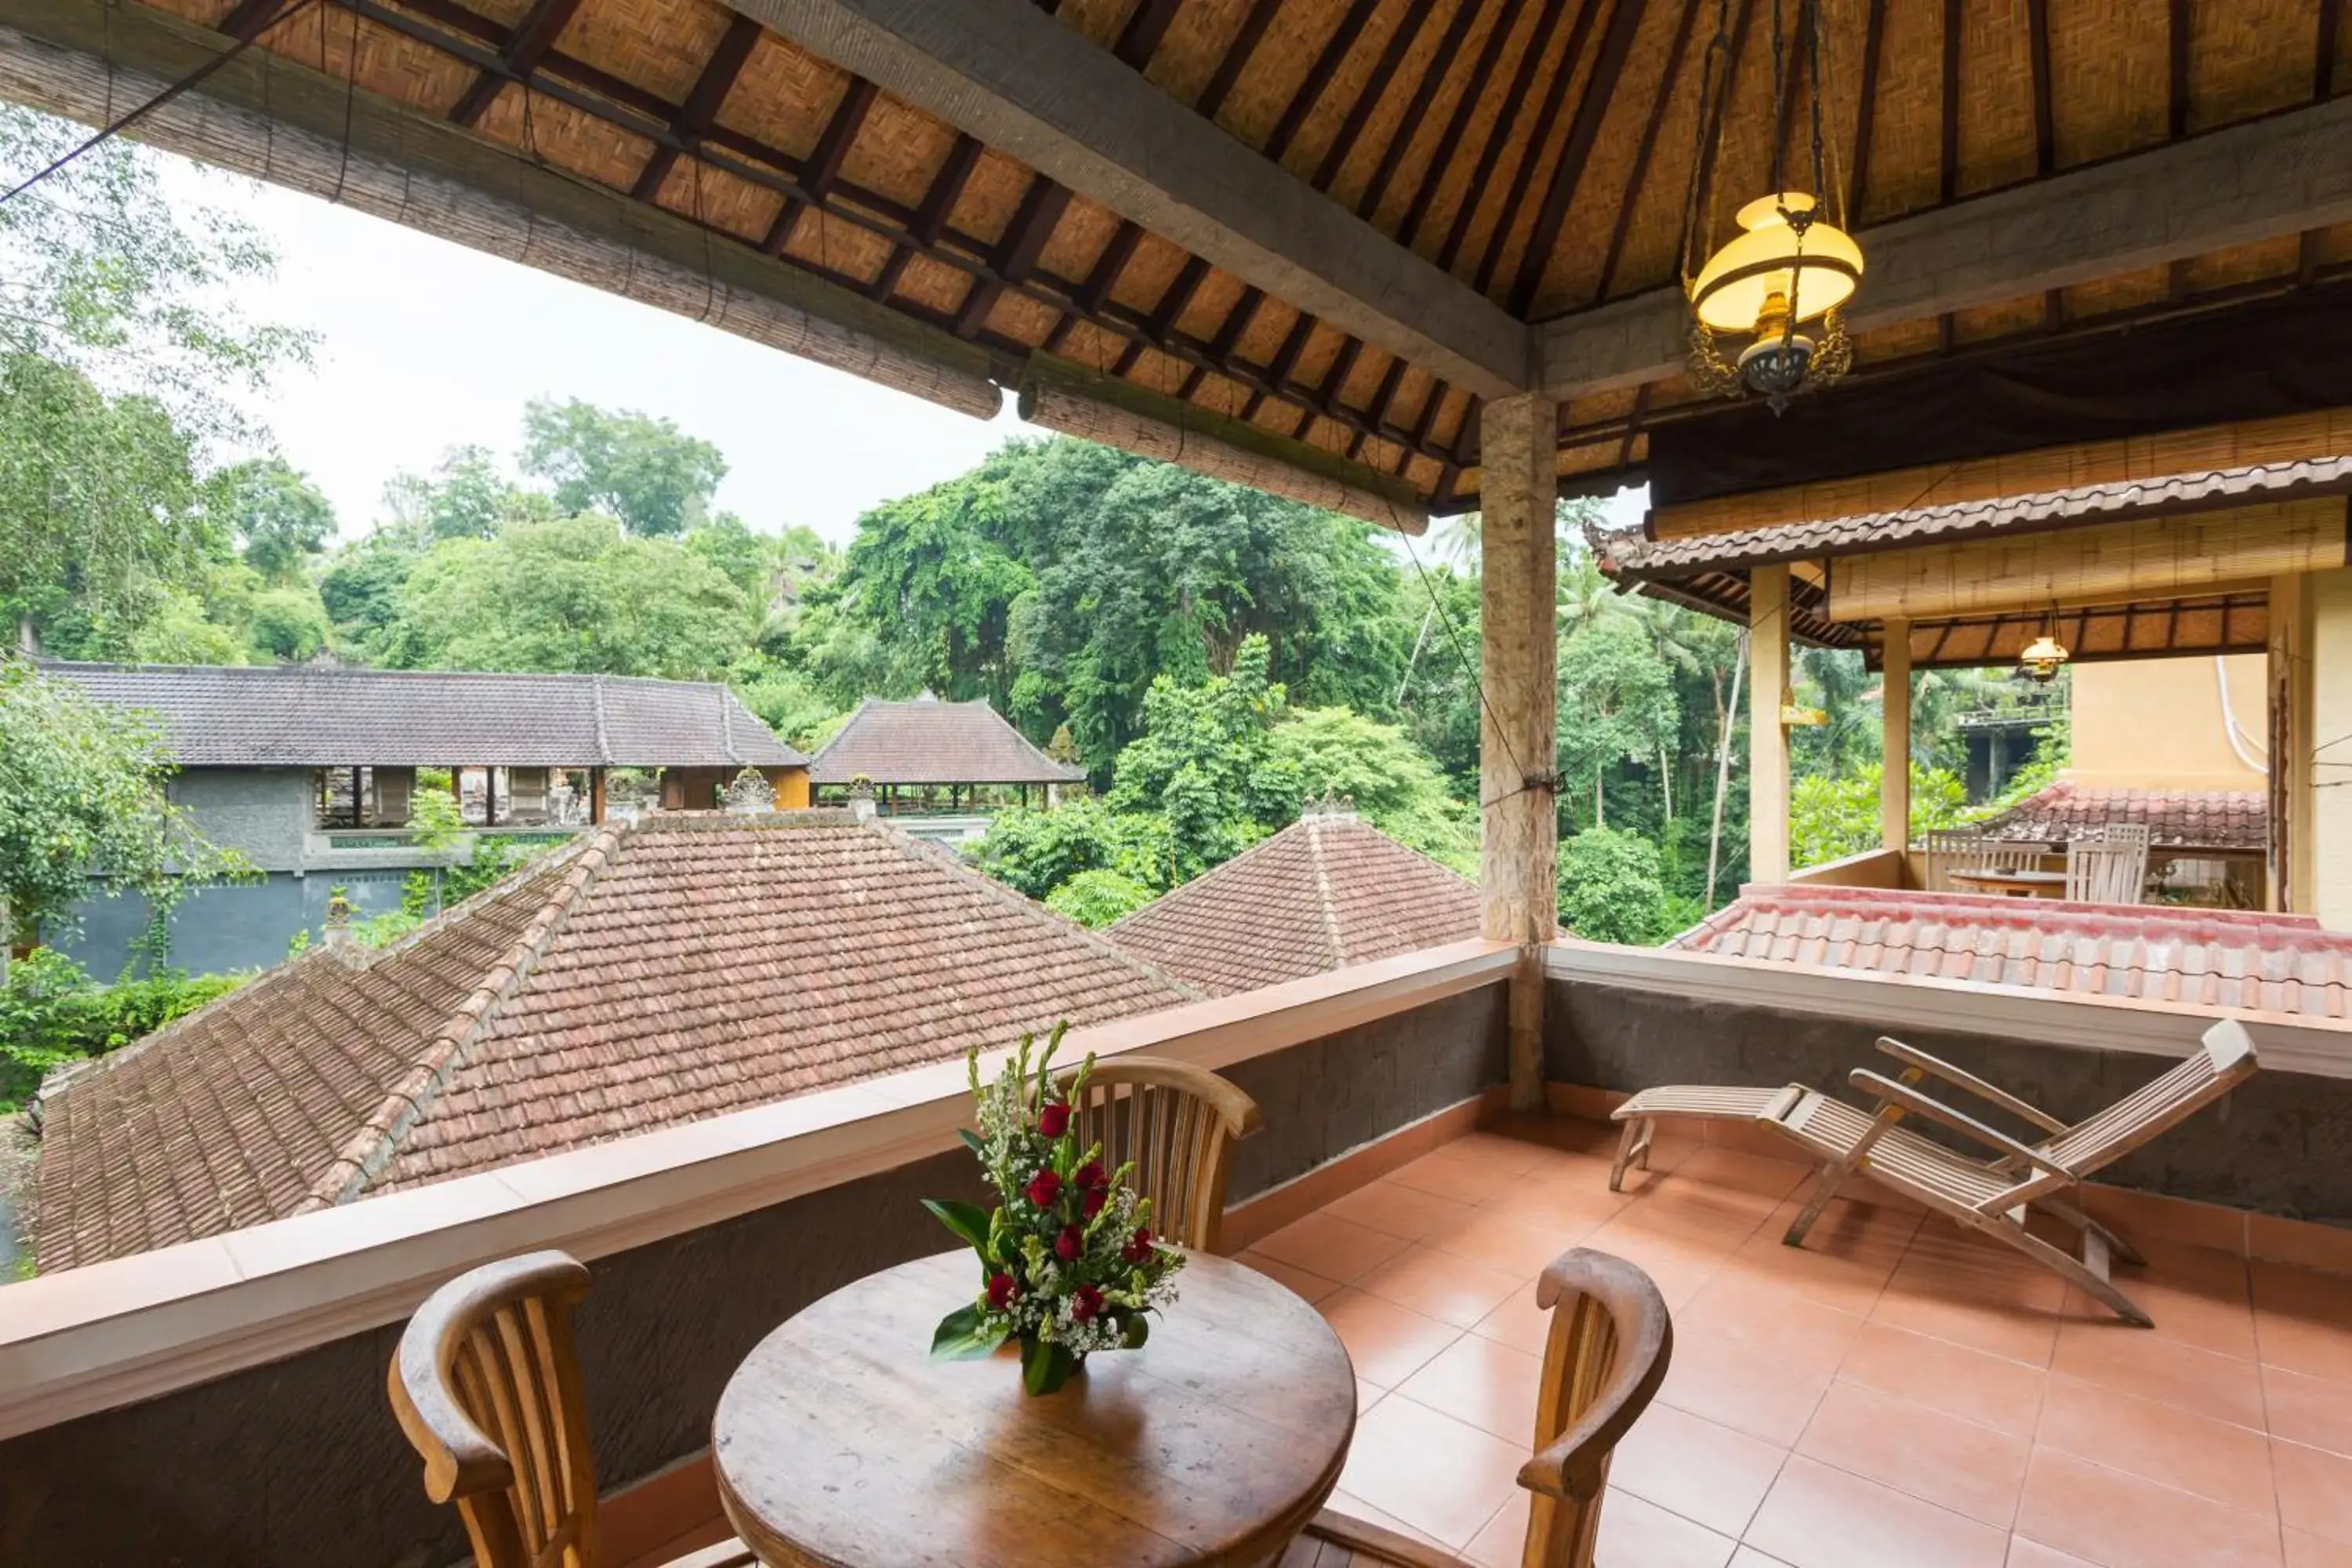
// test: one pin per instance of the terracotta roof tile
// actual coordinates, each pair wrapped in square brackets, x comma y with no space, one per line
[1323,893]
[329,716]
[2219,819]
[927,741]
[2265,963]
[654,974]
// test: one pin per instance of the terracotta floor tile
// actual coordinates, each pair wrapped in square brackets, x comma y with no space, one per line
[1939,1458]
[2228,1463]
[1502,1242]
[1695,1468]
[1679,1264]
[1979,1269]
[1393,1208]
[1638,1534]
[1518,1321]
[1791,1331]
[2312,1411]
[1987,1389]
[2303,1320]
[1723,1167]
[1490,1386]
[1667,1150]
[2122,1521]
[1443,1477]
[2305,1550]
[2197,1295]
[1819,1517]
[1457,1290]
[2315,1491]
[1354,1507]
[1308,1287]
[2024,1334]
[2135,1362]
[1569,1206]
[1387,1343]
[1335,1248]
[1749,1557]
[2024,1553]
[1729,1382]
[1492,1151]
[1502,1541]
[1455,1179]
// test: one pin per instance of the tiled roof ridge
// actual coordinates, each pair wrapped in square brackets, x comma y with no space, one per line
[596,708]
[847,725]
[1325,906]
[1994,909]
[912,846]
[869,707]
[1215,877]
[283,671]
[372,1148]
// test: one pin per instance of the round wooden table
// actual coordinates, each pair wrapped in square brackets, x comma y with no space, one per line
[840,1442]
[2016,884]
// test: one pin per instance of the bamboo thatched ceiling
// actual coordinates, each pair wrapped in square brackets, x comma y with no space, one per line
[1537,151]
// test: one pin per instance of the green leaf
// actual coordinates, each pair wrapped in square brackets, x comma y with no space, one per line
[968,1221]
[964,1334]
[1044,1366]
[971,1142]
[1134,1331]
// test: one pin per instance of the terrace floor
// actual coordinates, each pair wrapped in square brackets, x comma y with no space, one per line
[1899,1392]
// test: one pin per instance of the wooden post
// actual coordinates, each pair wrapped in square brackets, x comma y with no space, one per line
[2320,847]
[1767,737]
[595,796]
[2287,684]
[1894,789]
[1517,742]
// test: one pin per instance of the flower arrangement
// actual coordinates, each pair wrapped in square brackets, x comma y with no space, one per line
[1068,1264]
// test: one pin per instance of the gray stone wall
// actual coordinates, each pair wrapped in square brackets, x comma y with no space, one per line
[246,925]
[263,812]
[300,1464]
[2281,1144]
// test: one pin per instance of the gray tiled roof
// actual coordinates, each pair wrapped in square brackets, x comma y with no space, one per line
[1628,556]
[330,716]
[927,741]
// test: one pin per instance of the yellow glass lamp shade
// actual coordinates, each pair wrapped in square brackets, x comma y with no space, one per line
[2042,657]
[1751,282]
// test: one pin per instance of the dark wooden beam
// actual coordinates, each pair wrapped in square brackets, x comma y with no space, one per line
[701,106]
[1499,134]
[1238,58]
[1474,91]
[1636,177]
[1555,98]
[1343,365]
[1139,39]
[2177,24]
[1319,76]
[1376,413]
[824,165]
[2045,133]
[1094,292]
[526,46]
[1948,162]
[930,219]
[1865,111]
[1424,91]
[1376,86]
[1042,206]
[1285,360]
[2323,71]
[249,17]
[1583,131]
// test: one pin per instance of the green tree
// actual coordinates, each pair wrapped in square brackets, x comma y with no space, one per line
[645,471]
[1610,888]
[1829,818]
[82,796]
[1391,781]
[289,624]
[1207,754]
[361,590]
[1036,852]
[929,575]
[278,516]
[1094,898]
[572,595]
[1616,704]
[466,498]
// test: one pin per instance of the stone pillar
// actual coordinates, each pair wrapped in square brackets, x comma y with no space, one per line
[1517,742]
[1895,790]
[1767,737]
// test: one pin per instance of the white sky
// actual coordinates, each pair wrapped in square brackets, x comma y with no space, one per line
[425,345]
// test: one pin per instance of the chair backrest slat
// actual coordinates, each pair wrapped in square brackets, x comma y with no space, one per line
[487,1387]
[2110,867]
[2225,1060]
[1177,1123]
[1605,1355]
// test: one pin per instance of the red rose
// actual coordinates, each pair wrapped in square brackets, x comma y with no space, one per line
[1000,1292]
[1053,1119]
[1093,1202]
[1138,1247]
[1043,1188]
[1070,1242]
[1086,1304]
[1091,1177]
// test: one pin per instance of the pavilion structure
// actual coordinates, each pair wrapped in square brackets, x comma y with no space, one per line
[1425,256]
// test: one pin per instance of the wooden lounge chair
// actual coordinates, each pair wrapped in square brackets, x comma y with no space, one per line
[1604,1358]
[1993,1196]
[2109,868]
[1178,1123]
[487,1388]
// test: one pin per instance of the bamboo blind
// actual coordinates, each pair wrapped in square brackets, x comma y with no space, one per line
[2155,558]
[82,88]
[2326,432]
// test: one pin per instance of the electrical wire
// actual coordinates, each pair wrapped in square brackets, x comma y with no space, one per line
[1528,783]
[124,123]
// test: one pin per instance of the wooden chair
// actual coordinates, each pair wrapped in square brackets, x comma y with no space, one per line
[487,1388]
[1605,1356]
[2110,867]
[1993,1196]
[1948,850]
[1178,1124]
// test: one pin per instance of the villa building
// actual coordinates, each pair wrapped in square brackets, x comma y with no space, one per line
[940,770]
[308,771]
